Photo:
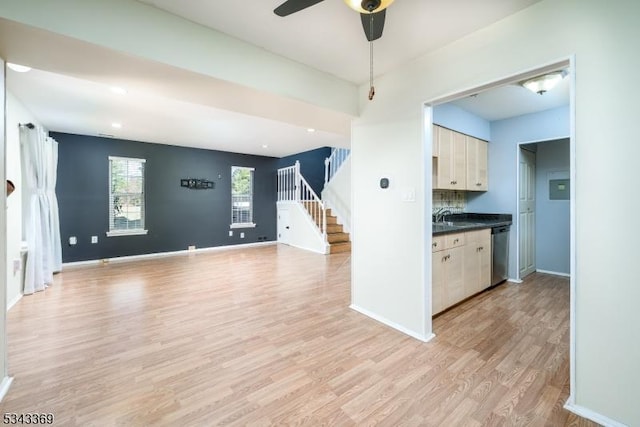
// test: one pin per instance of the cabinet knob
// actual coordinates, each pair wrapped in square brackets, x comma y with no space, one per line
[478,184]
[456,240]
[435,244]
[481,248]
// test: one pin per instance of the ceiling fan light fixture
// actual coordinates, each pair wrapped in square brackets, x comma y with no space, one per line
[545,82]
[368,6]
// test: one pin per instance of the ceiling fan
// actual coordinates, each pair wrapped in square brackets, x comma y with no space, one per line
[372,13]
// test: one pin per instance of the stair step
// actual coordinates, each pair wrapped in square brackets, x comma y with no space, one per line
[337,237]
[340,247]
[334,228]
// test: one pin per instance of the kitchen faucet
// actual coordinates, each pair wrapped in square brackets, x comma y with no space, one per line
[440,214]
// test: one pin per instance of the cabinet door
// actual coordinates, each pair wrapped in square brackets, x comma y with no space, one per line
[438,282]
[445,158]
[471,269]
[477,162]
[435,141]
[477,261]
[459,162]
[484,252]
[454,276]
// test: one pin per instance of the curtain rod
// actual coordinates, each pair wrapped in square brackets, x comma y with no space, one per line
[29,125]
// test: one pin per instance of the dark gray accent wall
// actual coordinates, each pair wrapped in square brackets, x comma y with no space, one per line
[311,166]
[176,217]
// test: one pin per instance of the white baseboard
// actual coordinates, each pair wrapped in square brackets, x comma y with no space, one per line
[592,415]
[394,325]
[14,301]
[555,273]
[165,254]
[326,251]
[516,281]
[4,386]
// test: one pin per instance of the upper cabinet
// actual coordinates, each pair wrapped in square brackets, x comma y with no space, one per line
[451,174]
[460,161]
[477,158]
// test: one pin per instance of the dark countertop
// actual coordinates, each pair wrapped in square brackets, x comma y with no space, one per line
[459,223]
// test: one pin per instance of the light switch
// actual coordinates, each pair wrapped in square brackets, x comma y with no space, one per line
[73,240]
[94,239]
[242,235]
[230,233]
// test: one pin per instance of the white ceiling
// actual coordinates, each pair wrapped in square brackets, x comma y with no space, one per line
[172,106]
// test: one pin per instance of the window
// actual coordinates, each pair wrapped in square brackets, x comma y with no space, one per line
[126,196]
[241,197]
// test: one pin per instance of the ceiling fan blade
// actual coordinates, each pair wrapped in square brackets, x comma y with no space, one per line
[293,6]
[378,24]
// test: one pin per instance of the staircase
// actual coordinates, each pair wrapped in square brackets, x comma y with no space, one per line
[337,239]
[293,188]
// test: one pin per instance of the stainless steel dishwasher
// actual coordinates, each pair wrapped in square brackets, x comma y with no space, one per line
[499,254]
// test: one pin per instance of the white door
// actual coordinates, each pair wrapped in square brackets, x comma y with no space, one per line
[283,226]
[527,213]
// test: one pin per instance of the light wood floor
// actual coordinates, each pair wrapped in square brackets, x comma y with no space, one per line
[264,336]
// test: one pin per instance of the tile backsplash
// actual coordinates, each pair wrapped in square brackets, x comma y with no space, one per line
[455,201]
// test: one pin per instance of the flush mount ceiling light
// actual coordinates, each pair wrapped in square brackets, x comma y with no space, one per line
[18,68]
[545,82]
[116,125]
[311,130]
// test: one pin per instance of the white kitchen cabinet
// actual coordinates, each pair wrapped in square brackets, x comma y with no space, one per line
[476,164]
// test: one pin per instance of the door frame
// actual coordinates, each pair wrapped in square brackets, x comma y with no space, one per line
[516,220]
[427,138]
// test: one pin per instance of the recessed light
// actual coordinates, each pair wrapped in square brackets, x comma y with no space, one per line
[311,130]
[18,68]
[116,125]
[118,90]
[265,146]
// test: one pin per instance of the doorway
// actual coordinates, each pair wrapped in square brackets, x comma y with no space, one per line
[544,188]
[527,212]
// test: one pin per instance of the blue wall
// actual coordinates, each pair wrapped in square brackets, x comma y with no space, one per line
[553,220]
[311,166]
[503,163]
[455,118]
[176,217]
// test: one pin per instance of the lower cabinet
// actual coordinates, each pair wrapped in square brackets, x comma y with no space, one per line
[461,267]
[477,261]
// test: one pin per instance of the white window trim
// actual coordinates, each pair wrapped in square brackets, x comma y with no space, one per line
[243,225]
[132,232]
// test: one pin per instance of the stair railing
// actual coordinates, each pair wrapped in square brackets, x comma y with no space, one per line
[334,161]
[293,187]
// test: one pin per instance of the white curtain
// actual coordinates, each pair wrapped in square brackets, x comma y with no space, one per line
[41,224]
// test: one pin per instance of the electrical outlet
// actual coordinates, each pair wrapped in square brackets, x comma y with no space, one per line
[73,240]
[242,235]
[94,239]
[230,233]
[17,265]
[192,247]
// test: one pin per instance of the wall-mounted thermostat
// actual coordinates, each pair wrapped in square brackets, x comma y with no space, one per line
[384,183]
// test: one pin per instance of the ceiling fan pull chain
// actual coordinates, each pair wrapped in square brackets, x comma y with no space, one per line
[372,90]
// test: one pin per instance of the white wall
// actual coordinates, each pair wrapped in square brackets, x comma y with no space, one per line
[337,194]
[16,113]
[390,260]
[303,233]
[552,216]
